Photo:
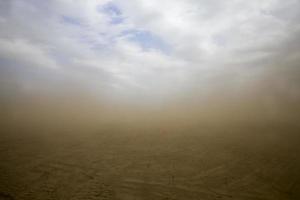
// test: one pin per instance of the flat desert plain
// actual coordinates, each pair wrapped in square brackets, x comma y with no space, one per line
[125,162]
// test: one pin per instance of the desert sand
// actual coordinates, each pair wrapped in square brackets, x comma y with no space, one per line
[254,162]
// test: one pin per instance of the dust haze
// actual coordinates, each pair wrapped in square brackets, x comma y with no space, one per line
[136,100]
[230,143]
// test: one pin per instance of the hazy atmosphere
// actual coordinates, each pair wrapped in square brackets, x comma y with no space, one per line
[150,99]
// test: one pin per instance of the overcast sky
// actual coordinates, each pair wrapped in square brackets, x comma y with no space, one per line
[149,48]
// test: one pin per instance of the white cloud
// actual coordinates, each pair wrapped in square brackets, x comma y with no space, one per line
[211,27]
[205,38]
[24,53]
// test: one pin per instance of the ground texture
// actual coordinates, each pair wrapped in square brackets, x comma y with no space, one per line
[126,163]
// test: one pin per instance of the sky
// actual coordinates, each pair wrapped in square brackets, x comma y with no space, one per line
[152,51]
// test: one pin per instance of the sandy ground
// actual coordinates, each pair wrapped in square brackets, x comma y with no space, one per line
[131,163]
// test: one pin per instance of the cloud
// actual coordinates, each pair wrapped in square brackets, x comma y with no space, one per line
[152,48]
[23,53]
[211,28]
